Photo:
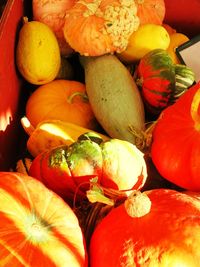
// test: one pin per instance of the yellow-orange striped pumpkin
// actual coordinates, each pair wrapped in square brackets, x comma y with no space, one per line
[37,228]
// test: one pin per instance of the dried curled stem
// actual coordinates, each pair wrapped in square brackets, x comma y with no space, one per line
[143,139]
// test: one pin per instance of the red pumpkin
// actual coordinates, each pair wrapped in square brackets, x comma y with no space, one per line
[150,11]
[158,228]
[37,228]
[175,148]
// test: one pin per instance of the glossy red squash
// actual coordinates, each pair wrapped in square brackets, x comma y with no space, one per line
[157,228]
[175,148]
[156,78]
[161,81]
[37,228]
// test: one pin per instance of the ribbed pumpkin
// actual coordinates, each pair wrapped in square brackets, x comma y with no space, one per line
[157,228]
[150,11]
[99,27]
[64,100]
[161,81]
[156,78]
[37,228]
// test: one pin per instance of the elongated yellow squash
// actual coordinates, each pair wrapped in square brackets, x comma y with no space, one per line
[52,133]
[114,96]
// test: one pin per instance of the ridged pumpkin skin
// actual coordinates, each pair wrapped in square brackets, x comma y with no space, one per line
[169,235]
[37,228]
[156,78]
[175,148]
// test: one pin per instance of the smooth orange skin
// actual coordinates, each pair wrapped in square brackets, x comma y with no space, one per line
[51,101]
[168,235]
[176,159]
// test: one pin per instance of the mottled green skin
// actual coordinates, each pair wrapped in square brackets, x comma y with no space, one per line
[115,163]
[161,81]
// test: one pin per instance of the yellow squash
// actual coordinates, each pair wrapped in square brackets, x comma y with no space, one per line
[52,133]
[37,54]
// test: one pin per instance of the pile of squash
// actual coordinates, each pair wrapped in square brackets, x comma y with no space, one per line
[110,172]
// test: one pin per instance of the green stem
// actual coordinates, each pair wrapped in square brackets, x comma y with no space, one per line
[195,110]
[83,95]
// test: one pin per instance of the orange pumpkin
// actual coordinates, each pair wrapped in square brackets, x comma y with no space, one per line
[98,27]
[157,228]
[37,228]
[150,11]
[64,100]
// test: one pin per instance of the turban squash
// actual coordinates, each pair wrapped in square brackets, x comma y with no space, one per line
[37,228]
[68,170]
[98,27]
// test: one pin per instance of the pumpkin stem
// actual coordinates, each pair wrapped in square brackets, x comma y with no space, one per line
[109,196]
[25,20]
[137,204]
[139,82]
[194,110]
[29,129]
[83,95]
[143,139]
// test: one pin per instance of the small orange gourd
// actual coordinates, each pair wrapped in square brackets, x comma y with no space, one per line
[98,27]
[63,100]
